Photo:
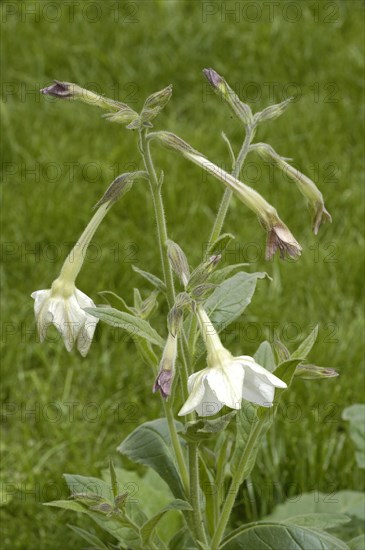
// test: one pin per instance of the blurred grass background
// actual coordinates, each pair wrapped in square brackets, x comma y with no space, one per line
[62,413]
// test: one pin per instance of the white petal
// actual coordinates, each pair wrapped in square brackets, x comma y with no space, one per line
[68,318]
[197,390]
[85,336]
[262,394]
[210,404]
[254,370]
[83,299]
[40,297]
[227,384]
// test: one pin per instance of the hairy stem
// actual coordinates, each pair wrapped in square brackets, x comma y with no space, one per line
[160,217]
[169,281]
[223,208]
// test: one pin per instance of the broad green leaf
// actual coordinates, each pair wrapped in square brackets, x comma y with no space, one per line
[305,347]
[148,528]
[149,444]
[133,325]
[357,543]
[264,356]
[355,415]
[231,298]
[96,543]
[321,521]
[271,536]
[155,281]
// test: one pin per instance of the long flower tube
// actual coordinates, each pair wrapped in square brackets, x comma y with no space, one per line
[279,236]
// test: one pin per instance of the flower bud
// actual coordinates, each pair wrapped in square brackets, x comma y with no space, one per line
[119,187]
[312,372]
[272,112]
[220,86]
[178,261]
[305,185]
[73,91]
[154,104]
[202,272]
[164,379]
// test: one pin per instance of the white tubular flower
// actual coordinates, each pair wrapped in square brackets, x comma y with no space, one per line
[279,236]
[63,304]
[227,379]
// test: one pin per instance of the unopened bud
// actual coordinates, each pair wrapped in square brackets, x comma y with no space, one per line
[69,90]
[120,186]
[201,292]
[154,104]
[178,261]
[202,272]
[272,112]
[312,372]
[164,379]
[220,86]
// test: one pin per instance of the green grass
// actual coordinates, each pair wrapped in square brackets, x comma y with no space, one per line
[44,211]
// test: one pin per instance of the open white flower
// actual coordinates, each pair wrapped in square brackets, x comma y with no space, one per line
[62,305]
[227,379]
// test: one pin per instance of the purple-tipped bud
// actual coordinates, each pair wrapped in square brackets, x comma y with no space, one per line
[58,89]
[163,383]
[165,377]
[214,79]
[221,87]
[64,90]
[312,372]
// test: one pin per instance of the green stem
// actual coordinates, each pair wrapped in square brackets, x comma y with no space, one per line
[236,482]
[169,281]
[223,207]
[177,446]
[195,493]
[160,218]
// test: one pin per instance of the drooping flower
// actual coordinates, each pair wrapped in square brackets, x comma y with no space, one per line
[63,304]
[227,379]
[279,236]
